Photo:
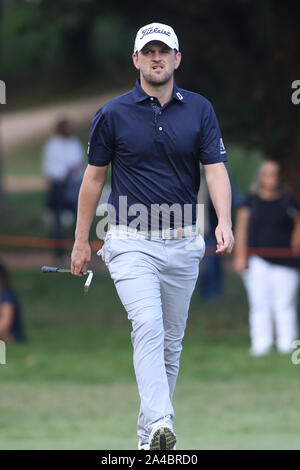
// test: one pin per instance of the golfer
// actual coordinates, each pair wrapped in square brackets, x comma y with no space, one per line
[155,137]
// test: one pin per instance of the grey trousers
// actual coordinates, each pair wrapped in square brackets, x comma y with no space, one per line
[155,280]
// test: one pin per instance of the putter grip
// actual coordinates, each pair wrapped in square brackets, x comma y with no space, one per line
[49,269]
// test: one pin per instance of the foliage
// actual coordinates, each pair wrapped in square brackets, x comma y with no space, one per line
[243,55]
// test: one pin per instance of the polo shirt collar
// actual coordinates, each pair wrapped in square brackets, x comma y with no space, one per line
[140,95]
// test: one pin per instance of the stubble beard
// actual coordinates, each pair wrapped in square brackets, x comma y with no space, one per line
[158,81]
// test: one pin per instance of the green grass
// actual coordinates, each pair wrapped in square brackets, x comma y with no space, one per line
[243,164]
[26,159]
[72,386]
[25,217]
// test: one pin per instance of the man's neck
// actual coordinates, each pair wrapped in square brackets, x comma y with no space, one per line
[163,93]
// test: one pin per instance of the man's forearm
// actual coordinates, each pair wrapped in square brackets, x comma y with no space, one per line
[220,191]
[90,193]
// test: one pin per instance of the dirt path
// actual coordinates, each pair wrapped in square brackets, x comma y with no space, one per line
[24,183]
[24,126]
[18,128]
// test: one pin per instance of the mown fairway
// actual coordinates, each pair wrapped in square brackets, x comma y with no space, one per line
[72,385]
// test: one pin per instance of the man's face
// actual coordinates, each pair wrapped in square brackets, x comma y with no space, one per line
[156,62]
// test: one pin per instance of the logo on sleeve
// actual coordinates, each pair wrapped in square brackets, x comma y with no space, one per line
[222,147]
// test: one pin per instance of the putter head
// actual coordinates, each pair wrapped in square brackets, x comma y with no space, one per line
[88,281]
[51,269]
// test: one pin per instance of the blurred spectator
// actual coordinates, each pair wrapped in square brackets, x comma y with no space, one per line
[11,327]
[211,280]
[63,166]
[269,222]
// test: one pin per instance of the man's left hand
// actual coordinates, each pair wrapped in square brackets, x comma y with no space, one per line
[225,239]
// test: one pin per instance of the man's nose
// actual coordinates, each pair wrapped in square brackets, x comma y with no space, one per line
[156,56]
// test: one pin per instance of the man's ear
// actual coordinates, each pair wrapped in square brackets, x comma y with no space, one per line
[135,60]
[177,60]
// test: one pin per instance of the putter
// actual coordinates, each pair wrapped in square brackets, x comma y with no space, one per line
[51,269]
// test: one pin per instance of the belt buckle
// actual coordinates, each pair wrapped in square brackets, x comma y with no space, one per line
[180,232]
[176,233]
[173,233]
[170,233]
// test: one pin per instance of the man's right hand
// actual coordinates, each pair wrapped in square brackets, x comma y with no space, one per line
[80,258]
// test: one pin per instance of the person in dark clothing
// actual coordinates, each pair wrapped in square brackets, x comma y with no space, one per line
[11,327]
[267,255]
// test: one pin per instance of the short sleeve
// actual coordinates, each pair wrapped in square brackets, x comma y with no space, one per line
[293,207]
[7,296]
[211,148]
[295,204]
[248,201]
[100,148]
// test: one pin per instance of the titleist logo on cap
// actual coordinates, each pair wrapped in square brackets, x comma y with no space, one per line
[154,30]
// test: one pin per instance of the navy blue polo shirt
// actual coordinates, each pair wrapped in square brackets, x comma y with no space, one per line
[155,152]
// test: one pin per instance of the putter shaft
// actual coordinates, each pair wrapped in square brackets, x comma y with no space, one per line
[52,269]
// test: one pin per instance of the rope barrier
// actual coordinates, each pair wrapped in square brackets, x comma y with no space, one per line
[39,242]
[52,243]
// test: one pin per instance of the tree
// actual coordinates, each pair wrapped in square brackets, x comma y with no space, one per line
[242,54]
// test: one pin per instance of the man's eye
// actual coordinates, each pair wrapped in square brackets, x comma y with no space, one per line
[149,51]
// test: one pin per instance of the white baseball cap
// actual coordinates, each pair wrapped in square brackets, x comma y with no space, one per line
[156,32]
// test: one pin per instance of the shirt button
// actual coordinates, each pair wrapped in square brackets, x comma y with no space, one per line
[160,128]
[159,112]
[151,98]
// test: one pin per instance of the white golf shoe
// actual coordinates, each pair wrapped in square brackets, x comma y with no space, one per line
[162,437]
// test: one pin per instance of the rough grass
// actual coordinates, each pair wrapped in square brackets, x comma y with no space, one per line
[26,159]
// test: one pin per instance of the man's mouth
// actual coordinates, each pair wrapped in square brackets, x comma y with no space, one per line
[157,67]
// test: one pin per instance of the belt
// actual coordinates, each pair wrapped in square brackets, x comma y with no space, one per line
[168,233]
